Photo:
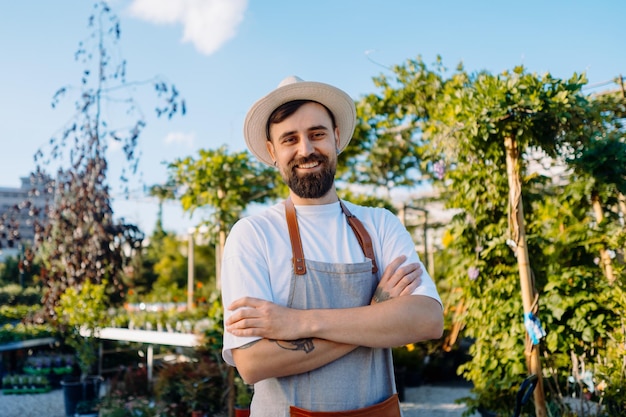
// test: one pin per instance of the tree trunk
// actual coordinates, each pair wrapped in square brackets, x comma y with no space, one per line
[622,204]
[605,259]
[622,207]
[528,291]
[457,325]
[219,250]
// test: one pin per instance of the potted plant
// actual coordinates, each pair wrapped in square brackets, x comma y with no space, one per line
[243,398]
[128,395]
[83,312]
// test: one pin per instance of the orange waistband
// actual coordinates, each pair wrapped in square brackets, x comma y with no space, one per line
[388,408]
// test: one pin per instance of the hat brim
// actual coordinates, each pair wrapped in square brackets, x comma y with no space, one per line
[337,101]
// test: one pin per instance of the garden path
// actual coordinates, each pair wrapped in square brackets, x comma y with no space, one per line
[423,401]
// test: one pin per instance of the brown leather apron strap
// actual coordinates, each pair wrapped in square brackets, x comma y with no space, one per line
[362,236]
[388,408]
[294,235]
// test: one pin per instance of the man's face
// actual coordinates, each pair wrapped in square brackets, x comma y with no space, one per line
[304,146]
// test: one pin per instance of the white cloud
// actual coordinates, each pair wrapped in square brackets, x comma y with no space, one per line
[207,24]
[180,138]
[113,145]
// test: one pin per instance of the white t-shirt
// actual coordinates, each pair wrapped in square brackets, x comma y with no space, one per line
[257,259]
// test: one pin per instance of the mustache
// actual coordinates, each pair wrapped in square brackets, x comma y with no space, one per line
[315,157]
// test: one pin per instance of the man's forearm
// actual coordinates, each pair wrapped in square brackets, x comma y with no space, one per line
[392,323]
[395,322]
[323,336]
[269,358]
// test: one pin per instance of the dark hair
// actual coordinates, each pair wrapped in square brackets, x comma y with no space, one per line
[285,110]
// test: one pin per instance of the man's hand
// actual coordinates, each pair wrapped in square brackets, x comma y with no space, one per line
[398,280]
[256,317]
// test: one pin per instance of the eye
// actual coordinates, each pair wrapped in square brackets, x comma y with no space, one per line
[320,134]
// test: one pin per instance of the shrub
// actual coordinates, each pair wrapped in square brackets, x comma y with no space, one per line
[9,294]
[13,314]
[195,385]
[18,332]
[30,296]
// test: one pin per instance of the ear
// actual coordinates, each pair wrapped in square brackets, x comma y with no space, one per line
[337,138]
[270,149]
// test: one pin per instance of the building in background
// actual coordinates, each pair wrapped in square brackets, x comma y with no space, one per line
[21,210]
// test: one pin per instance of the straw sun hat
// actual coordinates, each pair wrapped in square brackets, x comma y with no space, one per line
[294,88]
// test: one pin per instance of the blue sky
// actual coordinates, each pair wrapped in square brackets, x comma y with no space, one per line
[224,54]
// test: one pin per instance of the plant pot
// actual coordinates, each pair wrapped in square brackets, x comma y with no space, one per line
[487,413]
[242,412]
[76,390]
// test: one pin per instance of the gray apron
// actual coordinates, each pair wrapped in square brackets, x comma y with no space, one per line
[359,379]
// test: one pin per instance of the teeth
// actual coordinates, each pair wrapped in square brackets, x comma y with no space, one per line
[309,165]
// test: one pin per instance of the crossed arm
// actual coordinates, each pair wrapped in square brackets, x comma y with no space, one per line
[296,341]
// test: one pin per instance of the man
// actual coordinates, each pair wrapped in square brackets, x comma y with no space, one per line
[316,291]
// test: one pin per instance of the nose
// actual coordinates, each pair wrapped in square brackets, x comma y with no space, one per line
[305,147]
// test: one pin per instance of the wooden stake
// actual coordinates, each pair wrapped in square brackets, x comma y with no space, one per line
[605,259]
[527,286]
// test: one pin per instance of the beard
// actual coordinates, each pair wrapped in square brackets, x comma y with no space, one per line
[314,185]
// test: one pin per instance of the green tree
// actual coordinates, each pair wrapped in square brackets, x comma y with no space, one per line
[225,182]
[498,118]
[478,138]
[144,275]
[162,192]
[386,151]
[9,271]
[160,270]
[583,311]
[601,163]
[170,265]
[499,123]
[84,310]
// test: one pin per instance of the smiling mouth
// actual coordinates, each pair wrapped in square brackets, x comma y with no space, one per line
[308,165]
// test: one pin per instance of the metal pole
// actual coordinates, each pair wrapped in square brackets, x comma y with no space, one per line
[426,258]
[190,270]
[150,363]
